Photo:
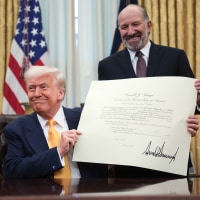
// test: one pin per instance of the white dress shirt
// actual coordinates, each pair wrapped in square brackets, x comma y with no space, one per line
[61,126]
[145,52]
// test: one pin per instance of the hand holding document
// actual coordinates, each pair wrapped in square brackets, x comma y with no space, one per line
[138,122]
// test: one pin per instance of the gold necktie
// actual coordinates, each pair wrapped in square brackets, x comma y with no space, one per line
[53,140]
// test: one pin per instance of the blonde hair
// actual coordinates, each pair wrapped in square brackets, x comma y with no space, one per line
[37,71]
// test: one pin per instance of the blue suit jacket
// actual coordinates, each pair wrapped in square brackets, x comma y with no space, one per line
[28,154]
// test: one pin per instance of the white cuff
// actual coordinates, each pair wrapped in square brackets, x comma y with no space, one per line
[62,160]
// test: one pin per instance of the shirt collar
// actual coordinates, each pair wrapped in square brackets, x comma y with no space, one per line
[144,50]
[59,117]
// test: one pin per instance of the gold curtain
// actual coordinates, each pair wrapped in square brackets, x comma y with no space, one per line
[176,23]
[8,18]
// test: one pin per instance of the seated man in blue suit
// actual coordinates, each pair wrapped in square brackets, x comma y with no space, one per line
[28,153]
[135,27]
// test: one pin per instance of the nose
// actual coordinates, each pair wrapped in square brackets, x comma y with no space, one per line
[131,30]
[37,92]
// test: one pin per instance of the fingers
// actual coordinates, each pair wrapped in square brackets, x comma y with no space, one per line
[192,125]
[197,85]
[68,140]
[192,132]
[72,136]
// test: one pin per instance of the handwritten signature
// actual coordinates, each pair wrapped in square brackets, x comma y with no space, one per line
[159,152]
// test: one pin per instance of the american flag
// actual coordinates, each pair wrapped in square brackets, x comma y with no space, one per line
[28,48]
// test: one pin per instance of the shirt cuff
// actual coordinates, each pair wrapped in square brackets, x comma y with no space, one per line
[62,160]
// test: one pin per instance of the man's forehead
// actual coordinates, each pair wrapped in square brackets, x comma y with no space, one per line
[131,15]
[44,79]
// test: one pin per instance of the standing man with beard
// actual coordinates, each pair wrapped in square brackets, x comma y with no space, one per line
[134,26]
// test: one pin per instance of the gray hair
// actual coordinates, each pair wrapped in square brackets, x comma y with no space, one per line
[144,12]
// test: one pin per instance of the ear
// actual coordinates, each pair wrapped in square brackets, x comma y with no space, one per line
[149,26]
[61,94]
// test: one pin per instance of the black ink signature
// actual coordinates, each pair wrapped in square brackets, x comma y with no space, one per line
[159,152]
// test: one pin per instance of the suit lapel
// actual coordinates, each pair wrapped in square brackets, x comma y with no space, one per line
[125,63]
[69,118]
[154,59]
[34,135]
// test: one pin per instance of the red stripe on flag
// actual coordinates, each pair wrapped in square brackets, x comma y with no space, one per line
[12,99]
[25,55]
[15,68]
[38,62]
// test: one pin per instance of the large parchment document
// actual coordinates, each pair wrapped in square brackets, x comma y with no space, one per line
[138,122]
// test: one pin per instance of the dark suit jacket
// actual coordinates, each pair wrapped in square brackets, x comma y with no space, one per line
[28,154]
[163,61]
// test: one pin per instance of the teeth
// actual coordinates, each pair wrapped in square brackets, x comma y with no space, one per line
[133,38]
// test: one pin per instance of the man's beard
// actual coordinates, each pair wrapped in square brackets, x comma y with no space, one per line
[136,46]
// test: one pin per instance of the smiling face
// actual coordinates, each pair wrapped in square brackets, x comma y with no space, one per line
[134,27]
[45,95]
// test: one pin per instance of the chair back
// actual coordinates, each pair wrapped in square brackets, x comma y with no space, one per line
[4,120]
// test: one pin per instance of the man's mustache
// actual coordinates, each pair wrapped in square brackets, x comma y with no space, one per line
[128,37]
